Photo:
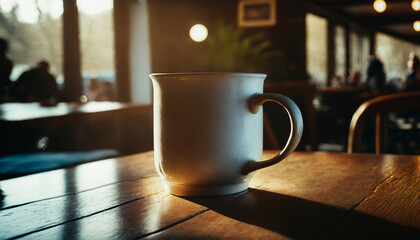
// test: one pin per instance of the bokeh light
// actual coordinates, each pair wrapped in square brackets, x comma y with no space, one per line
[379,6]
[198,33]
[415,5]
[416,26]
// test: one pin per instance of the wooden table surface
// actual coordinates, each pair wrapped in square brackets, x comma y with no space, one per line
[308,195]
[35,115]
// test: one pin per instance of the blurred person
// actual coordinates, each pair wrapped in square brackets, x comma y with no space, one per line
[355,80]
[37,84]
[100,90]
[6,66]
[375,79]
[336,81]
[412,81]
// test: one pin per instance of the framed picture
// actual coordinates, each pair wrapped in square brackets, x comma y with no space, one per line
[256,13]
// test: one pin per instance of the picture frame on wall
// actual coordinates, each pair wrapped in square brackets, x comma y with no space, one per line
[256,13]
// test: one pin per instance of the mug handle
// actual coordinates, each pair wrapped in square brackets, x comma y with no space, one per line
[296,126]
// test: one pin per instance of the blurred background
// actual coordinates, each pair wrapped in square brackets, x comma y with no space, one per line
[322,53]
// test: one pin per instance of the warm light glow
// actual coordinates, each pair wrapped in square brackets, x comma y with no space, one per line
[27,11]
[198,33]
[416,26]
[93,7]
[415,5]
[379,6]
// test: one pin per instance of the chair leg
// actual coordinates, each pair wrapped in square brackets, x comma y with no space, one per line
[310,112]
[380,131]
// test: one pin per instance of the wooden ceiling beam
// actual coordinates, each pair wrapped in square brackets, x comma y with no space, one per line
[349,3]
[334,14]
[388,19]
[334,10]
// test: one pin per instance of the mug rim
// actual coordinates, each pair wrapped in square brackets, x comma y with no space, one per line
[186,74]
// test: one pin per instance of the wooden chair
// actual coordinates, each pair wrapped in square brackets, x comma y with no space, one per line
[301,89]
[398,102]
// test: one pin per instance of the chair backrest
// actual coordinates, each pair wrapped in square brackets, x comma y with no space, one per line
[398,102]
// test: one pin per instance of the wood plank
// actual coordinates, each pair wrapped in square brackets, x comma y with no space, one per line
[393,208]
[398,198]
[336,179]
[130,221]
[203,227]
[85,198]
[258,214]
[57,211]
[87,176]
[298,198]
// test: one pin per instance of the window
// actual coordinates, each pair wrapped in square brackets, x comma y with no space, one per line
[359,53]
[96,41]
[340,52]
[33,29]
[316,48]
[394,55]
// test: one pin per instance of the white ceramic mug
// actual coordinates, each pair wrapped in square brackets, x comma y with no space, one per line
[208,130]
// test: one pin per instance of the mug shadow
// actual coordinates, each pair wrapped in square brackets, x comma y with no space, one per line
[299,218]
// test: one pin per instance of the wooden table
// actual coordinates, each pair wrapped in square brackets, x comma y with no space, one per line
[76,126]
[308,195]
[35,115]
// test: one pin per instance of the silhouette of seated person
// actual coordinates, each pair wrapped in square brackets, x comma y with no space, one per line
[6,66]
[412,81]
[36,84]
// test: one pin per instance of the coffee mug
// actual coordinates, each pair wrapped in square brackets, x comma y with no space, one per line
[208,130]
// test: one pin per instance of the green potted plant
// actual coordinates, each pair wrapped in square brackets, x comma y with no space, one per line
[231,50]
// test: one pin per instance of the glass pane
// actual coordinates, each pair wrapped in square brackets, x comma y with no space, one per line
[364,61]
[394,53]
[97,48]
[33,30]
[316,48]
[359,53]
[340,52]
[355,54]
